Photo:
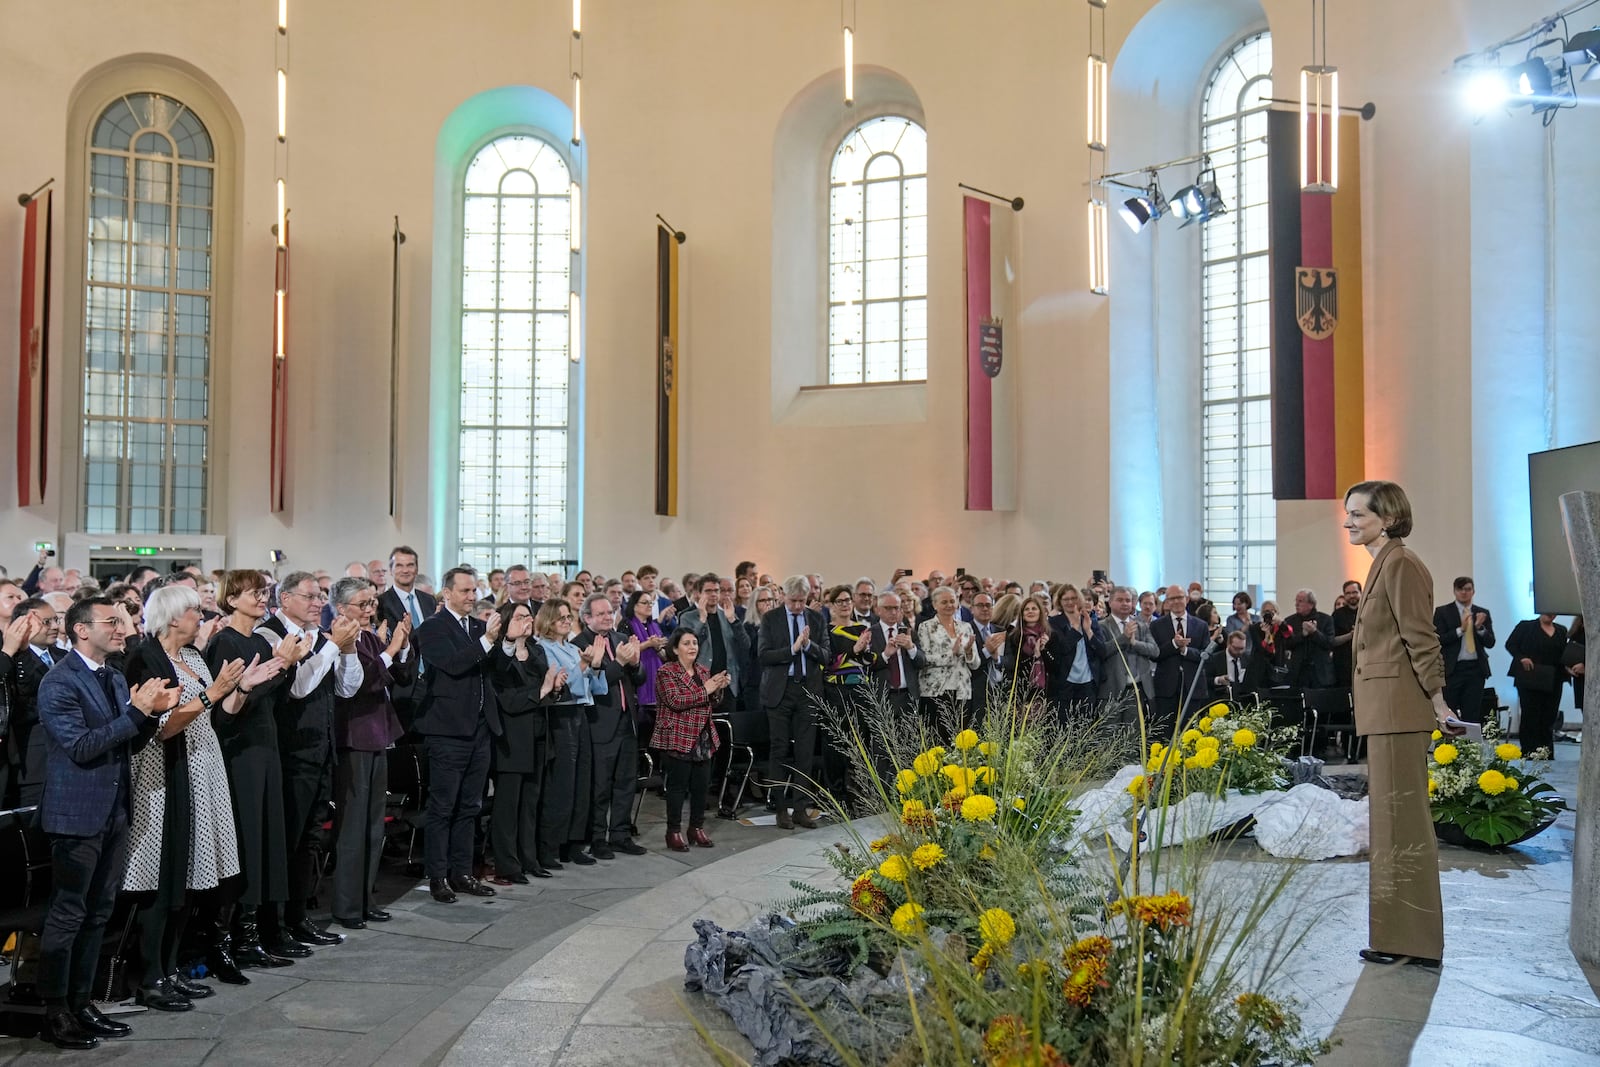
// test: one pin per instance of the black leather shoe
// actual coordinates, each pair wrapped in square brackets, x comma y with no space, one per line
[63,1030]
[517,879]
[539,872]
[582,858]
[631,847]
[307,933]
[251,954]
[601,852]
[93,1020]
[287,947]
[550,863]
[377,915]
[352,924]
[465,883]
[440,888]
[162,997]
[190,989]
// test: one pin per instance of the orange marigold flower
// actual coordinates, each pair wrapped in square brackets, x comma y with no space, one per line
[1008,1042]
[1258,1010]
[1088,976]
[865,896]
[1096,947]
[1005,1032]
[952,800]
[1163,912]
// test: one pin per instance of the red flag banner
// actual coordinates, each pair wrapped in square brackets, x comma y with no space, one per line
[33,377]
[992,333]
[279,449]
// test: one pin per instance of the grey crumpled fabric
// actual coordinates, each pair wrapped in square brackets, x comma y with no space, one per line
[761,977]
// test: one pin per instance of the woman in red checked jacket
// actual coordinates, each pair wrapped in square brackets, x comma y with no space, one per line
[686,693]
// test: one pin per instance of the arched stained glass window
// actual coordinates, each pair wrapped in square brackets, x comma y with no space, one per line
[148,319]
[515,441]
[878,254]
[1241,518]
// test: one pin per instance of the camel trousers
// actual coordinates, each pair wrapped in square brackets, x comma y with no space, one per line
[1405,915]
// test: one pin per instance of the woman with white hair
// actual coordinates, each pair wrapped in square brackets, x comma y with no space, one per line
[950,655]
[182,836]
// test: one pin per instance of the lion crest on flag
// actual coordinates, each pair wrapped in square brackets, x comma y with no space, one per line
[991,346]
[1316,301]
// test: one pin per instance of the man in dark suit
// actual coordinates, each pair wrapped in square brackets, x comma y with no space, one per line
[1466,633]
[404,598]
[1344,629]
[28,668]
[1309,643]
[92,726]
[990,644]
[1180,640]
[614,748]
[1231,671]
[305,738]
[456,713]
[896,658]
[792,649]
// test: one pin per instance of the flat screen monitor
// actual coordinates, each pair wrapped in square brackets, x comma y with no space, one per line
[1550,474]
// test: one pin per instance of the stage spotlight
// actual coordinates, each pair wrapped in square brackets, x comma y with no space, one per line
[1530,82]
[1582,48]
[1200,201]
[1140,211]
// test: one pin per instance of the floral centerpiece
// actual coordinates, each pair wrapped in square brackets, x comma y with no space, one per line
[1488,794]
[1225,746]
[1013,947]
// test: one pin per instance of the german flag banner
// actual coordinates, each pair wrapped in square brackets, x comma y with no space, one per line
[668,366]
[992,331]
[33,375]
[1318,415]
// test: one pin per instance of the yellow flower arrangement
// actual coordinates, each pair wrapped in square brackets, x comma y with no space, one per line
[1445,755]
[988,750]
[926,765]
[1208,742]
[915,814]
[1191,763]
[987,853]
[1205,757]
[881,844]
[983,775]
[1433,785]
[960,777]
[997,926]
[1436,736]
[1163,911]
[905,781]
[1085,978]
[1204,724]
[1096,946]
[1190,737]
[978,808]
[927,856]
[1218,711]
[952,800]
[1140,786]
[1243,738]
[1508,751]
[985,956]
[1511,783]
[907,918]
[1492,782]
[865,897]
[966,740]
[895,869]
[938,752]
[1019,804]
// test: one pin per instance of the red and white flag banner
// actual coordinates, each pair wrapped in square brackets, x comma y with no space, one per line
[992,334]
[33,377]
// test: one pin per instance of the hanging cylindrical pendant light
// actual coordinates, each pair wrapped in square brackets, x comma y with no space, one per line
[1319,111]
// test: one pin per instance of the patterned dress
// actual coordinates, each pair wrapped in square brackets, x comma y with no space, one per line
[213,845]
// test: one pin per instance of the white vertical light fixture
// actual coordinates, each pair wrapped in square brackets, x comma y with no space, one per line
[575,202]
[1319,111]
[280,227]
[574,328]
[1095,102]
[283,104]
[575,59]
[1099,249]
[283,16]
[847,20]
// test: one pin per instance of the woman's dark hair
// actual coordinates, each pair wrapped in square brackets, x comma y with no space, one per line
[677,639]
[505,611]
[1389,502]
[633,601]
[236,583]
[1248,603]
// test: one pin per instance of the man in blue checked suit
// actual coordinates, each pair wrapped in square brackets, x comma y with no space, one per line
[92,726]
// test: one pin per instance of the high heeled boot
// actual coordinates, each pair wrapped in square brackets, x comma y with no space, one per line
[247,950]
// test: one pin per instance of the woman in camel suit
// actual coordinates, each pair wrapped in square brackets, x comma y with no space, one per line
[1398,689]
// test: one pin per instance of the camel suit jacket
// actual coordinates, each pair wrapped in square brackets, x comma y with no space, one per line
[1397,662]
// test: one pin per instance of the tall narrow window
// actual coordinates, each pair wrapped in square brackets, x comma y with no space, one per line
[148,320]
[878,254]
[514,448]
[1240,515]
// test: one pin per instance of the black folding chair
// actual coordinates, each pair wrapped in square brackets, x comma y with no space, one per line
[24,894]
[647,771]
[1333,716]
[408,779]
[744,731]
[1289,709]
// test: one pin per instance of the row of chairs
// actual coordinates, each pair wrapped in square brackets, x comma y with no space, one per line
[1325,715]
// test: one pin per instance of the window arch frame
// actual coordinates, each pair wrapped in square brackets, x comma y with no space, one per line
[841,142]
[199,94]
[450,231]
[1235,379]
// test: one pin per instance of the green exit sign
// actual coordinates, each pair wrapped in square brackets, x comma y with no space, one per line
[145,551]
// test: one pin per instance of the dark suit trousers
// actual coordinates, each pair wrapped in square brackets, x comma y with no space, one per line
[564,817]
[1463,690]
[87,872]
[305,786]
[616,781]
[514,822]
[360,789]
[458,770]
[792,731]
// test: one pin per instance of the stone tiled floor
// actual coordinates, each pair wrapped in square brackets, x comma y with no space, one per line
[588,968]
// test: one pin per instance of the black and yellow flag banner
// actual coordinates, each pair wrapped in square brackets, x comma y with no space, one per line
[669,366]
